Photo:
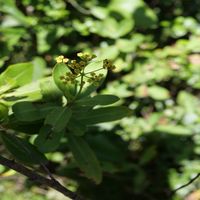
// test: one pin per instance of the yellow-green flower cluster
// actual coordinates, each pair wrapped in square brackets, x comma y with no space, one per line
[94,78]
[76,66]
[69,78]
[77,70]
[86,56]
[107,64]
[61,59]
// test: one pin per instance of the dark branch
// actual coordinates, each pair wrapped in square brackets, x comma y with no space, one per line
[185,185]
[38,178]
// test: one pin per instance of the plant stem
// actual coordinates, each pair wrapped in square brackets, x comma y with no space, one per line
[185,185]
[81,84]
[52,183]
[80,89]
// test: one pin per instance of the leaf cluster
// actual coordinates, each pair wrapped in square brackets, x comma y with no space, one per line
[55,122]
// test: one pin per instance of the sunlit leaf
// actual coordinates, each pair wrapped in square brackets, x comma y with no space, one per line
[16,75]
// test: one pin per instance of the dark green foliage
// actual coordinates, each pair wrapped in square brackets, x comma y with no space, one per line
[106,114]
[48,140]
[85,158]
[23,150]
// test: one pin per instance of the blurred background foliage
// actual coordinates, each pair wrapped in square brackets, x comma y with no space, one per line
[155,45]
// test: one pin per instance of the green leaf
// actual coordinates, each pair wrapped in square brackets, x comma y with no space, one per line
[11,9]
[28,92]
[3,112]
[126,46]
[22,150]
[143,16]
[77,109]
[85,158]
[188,101]
[112,28]
[106,149]
[124,7]
[16,75]
[76,127]
[42,89]
[31,128]
[58,118]
[49,90]
[47,139]
[174,129]
[39,67]
[98,100]
[99,12]
[155,92]
[108,52]
[69,90]
[104,114]
[158,93]
[27,111]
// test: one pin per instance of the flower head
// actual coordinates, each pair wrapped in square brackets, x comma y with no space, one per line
[61,59]
[78,74]
[86,56]
[107,64]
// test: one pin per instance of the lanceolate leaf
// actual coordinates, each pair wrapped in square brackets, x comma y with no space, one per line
[98,100]
[85,158]
[76,127]
[174,129]
[27,111]
[58,118]
[31,127]
[104,114]
[22,150]
[48,140]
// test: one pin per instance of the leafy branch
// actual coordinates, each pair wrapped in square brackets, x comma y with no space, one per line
[52,120]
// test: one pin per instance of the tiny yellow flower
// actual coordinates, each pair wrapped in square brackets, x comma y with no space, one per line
[65,60]
[61,59]
[80,54]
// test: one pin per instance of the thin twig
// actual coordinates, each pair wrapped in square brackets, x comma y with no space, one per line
[48,172]
[78,7]
[38,178]
[185,185]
